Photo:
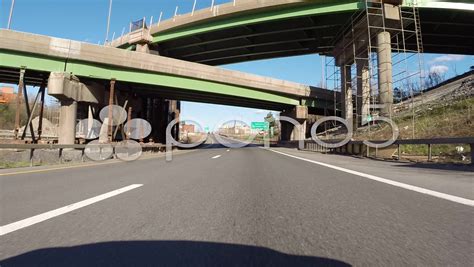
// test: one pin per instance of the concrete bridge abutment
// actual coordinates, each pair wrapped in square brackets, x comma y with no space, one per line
[291,132]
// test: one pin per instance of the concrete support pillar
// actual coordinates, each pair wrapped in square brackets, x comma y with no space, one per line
[143,48]
[290,132]
[174,113]
[346,92]
[67,122]
[69,91]
[162,121]
[110,133]
[19,101]
[384,57]
[159,120]
[160,112]
[363,91]
[299,131]
[156,114]
[141,39]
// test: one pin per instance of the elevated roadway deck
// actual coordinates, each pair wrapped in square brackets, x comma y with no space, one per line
[252,30]
[142,73]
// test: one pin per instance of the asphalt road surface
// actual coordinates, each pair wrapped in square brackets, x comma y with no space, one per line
[237,207]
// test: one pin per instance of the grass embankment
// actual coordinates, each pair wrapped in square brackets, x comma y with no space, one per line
[440,120]
[8,165]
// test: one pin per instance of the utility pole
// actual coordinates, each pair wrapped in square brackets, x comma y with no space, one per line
[108,22]
[194,8]
[11,15]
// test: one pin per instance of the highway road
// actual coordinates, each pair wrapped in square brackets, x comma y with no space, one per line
[245,207]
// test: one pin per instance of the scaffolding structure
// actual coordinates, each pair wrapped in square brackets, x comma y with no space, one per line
[378,60]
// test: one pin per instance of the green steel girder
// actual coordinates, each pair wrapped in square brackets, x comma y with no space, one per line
[11,59]
[280,14]
[179,83]
[311,9]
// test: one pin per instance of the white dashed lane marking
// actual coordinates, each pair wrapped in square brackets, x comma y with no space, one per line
[12,227]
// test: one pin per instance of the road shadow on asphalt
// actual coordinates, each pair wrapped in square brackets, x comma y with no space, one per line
[164,253]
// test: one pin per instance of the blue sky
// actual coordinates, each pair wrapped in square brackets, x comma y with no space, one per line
[85,20]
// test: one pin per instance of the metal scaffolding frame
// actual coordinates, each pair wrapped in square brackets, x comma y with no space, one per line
[357,44]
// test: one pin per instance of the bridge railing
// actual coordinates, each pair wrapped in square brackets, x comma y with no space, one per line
[361,149]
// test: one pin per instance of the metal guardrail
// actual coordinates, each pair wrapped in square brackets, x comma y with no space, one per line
[40,146]
[435,141]
[58,146]
[358,147]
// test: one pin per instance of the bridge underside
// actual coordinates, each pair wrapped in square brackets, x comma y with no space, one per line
[446,31]
[291,37]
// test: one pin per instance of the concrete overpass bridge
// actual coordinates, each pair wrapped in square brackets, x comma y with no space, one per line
[253,30]
[146,81]
[246,31]
[349,31]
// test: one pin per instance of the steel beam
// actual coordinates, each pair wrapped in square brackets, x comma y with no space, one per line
[233,38]
[29,124]
[40,123]
[254,54]
[18,102]
[110,115]
[246,46]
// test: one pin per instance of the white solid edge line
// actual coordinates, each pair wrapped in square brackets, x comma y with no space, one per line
[54,213]
[452,198]
[216,157]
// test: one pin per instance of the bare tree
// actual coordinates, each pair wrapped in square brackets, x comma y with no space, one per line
[433,79]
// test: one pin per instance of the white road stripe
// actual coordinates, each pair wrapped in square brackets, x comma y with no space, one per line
[452,198]
[228,150]
[54,213]
[216,157]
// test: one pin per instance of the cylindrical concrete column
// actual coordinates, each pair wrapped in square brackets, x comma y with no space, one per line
[363,91]
[346,91]
[384,57]
[67,122]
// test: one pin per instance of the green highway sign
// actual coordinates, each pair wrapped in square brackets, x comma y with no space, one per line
[264,125]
